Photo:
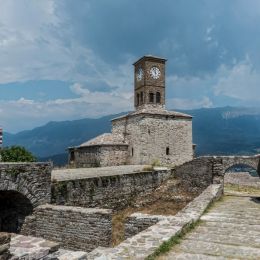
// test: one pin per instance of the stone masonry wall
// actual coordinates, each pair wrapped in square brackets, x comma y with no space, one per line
[33,180]
[113,155]
[195,176]
[73,227]
[138,222]
[106,155]
[149,136]
[116,191]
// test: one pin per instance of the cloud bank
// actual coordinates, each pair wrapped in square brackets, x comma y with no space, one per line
[79,55]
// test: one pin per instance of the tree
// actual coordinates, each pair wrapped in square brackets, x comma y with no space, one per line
[16,154]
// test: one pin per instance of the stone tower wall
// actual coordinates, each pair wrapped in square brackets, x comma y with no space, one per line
[149,136]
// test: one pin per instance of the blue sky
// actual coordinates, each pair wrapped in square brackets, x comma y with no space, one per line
[67,59]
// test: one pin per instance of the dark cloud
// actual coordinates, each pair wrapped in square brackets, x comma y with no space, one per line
[195,35]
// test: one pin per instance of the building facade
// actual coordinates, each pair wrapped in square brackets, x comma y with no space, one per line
[150,133]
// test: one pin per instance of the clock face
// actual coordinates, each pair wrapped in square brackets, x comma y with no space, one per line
[139,74]
[155,73]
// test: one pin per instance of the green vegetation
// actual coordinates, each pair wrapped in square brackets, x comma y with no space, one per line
[229,188]
[16,154]
[156,162]
[174,240]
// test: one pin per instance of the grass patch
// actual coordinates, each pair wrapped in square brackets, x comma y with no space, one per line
[241,188]
[173,241]
[213,203]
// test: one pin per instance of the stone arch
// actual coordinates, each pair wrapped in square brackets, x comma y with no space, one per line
[20,185]
[247,161]
[240,165]
[14,208]
[33,180]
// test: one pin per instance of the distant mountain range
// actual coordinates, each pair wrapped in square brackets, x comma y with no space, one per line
[226,130]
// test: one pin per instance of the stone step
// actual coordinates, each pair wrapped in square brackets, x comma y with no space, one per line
[217,249]
[242,230]
[230,239]
[230,220]
[188,256]
[236,226]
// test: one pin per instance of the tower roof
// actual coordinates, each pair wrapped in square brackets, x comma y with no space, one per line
[151,58]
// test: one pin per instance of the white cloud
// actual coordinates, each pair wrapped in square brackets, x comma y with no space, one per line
[241,82]
[30,113]
[185,103]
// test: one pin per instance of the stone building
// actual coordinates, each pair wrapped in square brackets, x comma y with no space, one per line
[150,133]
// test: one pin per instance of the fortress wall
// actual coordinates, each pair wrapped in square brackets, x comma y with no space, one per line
[32,180]
[73,227]
[195,175]
[115,191]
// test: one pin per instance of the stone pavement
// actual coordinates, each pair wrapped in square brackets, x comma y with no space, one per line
[32,248]
[83,173]
[230,230]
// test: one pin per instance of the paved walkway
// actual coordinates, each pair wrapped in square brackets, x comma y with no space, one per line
[83,173]
[230,230]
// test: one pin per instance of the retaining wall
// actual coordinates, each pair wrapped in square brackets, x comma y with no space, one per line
[73,227]
[115,191]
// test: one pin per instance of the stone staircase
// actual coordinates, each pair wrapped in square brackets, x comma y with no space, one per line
[230,230]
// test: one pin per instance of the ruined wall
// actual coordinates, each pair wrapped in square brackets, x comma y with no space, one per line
[95,156]
[149,136]
[33,180]
[116,191]
[73,227]
[138,222]
[196,175]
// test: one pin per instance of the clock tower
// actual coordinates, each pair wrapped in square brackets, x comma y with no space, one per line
[149,82]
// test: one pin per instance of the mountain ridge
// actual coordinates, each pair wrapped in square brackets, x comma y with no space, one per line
[224,130]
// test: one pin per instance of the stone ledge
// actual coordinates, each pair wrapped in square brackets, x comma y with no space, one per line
[146,242]
[74,209]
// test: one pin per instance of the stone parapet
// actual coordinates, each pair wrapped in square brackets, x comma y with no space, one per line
[114,191]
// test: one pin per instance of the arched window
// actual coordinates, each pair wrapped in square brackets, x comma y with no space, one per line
[132,151]
[151,97]
[158,97]
[137,99]
[142,97]
[167,150]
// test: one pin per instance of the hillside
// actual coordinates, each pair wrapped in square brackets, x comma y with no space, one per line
[225,130]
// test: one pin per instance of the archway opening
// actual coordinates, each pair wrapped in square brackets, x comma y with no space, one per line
[14,207]
[242,178]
